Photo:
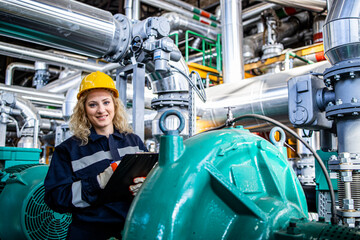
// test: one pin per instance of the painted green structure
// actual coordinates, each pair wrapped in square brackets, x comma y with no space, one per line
[23,212]
[224,184]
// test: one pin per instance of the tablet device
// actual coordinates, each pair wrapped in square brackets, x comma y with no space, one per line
[130,167]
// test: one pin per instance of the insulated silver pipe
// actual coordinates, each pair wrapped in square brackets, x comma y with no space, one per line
[232,38]
[312,5]
[171,8]
[178,21]
[128,8]
[44,98]
[256,10]
[342,31]
[63,24]
[136,10]
[50,113]
[20,52]
[63,84]
[193,9]
[265,95]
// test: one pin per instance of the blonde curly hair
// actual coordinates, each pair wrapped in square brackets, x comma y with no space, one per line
[80,124]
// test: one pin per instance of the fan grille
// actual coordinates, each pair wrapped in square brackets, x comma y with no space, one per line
[43,223]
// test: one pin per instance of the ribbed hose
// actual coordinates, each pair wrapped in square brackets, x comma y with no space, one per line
[355,190]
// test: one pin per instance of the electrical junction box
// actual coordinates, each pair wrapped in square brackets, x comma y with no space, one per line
[304,111]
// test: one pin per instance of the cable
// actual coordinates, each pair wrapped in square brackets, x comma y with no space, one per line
[18,134]
[200,92]
[317,157]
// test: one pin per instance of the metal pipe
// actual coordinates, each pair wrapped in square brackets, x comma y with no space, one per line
[232,38]
[128,8]
[341,31]
[266,95]
[193,9]
[178,21]
[63,24]
[172,8]
[136,10]
[50,113]
[63,84]
[20,52]
[312,5]
[34,95]
[10,69]
[256,10]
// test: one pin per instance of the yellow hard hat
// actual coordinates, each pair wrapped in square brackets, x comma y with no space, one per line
[97,80]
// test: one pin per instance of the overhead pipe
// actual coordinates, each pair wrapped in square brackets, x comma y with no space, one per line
[63,84]
[256,10]
[25,53]
[178,21]
[193,9]
[311,5]
[172,8]
[232,38]
[265,95]
[10,69]
[68,25]
[43,98]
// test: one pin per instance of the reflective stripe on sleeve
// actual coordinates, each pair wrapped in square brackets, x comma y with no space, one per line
[76,196]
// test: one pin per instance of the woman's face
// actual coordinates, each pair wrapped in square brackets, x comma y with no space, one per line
[99,108]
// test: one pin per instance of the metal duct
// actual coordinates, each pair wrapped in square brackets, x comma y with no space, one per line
[178,21]
[312,5]
[342,31]
[64,24]
[232,38]
[266,95]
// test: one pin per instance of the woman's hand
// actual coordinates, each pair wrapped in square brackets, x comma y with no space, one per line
[104,177]
[135,188]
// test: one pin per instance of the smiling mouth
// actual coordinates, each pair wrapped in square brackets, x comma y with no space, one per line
[101,117]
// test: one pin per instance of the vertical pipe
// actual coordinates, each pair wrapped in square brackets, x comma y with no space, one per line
[232,38]
[128,7]
[136,10]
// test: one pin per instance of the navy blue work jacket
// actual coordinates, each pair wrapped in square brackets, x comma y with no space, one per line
[71,183]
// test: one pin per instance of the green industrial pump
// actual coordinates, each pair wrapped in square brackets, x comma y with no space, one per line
[23,212]
[223,184]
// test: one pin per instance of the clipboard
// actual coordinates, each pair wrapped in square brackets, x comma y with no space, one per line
[130,167]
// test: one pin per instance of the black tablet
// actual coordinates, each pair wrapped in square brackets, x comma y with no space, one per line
[130,167]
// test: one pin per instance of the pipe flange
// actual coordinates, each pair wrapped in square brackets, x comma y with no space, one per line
[349,214]
[342,70]
[345,109]
[169,102]
[121,40]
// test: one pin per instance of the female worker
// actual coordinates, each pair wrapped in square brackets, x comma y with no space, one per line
[82,165]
